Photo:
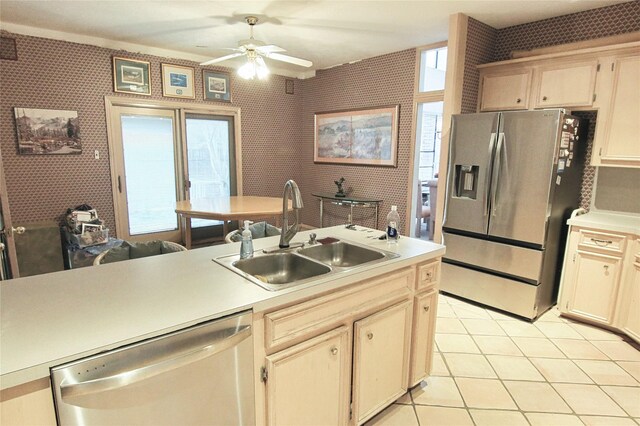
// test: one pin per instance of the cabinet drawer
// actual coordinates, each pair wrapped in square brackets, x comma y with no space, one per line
[320,314]
[428,274]
[601,242]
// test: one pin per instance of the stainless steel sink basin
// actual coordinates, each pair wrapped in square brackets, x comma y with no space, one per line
[281,268]
[341,254]
[275,271]
[287,268]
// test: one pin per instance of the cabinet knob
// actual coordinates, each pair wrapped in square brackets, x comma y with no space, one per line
[370,335]
[334,351]
[426,308]
[518,100]
[606,268]
[544,98]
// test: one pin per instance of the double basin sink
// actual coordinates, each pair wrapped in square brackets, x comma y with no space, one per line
[290,267]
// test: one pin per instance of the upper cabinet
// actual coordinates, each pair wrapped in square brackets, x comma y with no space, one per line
[618,129]
[508,90]
[605,79]
[566,85]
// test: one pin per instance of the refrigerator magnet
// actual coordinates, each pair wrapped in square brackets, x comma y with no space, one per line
[561,165]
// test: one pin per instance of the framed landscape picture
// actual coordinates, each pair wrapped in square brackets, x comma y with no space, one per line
[131,76]
[216,86]
[47,131]
[177,81]
[363,136]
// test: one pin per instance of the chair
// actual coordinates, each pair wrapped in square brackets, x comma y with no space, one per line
[422,212]
[131,250]
[258,230]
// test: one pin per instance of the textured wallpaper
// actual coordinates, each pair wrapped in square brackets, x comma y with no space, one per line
[277,129]
[595,23]
[486,44]
[55,74]
[380,81]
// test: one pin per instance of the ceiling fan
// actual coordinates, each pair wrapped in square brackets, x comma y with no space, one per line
[255,51]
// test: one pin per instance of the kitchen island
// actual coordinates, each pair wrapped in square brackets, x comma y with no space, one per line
[52,319]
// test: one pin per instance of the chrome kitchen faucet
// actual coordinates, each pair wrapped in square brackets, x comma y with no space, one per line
[288,233]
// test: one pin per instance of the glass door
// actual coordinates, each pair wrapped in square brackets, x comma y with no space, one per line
[8,256]
[211,162]
[147,162]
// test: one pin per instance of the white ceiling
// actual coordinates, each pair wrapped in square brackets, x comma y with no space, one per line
[328,33]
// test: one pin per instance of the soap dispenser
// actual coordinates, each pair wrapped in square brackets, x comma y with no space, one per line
[246,247]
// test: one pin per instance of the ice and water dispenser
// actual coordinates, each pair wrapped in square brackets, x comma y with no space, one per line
[466,181]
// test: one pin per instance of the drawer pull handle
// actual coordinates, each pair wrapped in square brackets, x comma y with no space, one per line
[544,98]
[334,351]
[518,100]
[370,335]
[426,309]
[602,243]
[606,268]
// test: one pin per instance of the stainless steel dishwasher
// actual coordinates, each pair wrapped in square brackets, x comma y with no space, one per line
[201,375]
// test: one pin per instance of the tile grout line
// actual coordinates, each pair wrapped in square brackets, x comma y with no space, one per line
[545,380]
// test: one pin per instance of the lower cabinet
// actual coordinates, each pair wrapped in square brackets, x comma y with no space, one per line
[341,358]
[595,286]
[380,360]
[631,318]
[308,384]
[424,327]
[601,280]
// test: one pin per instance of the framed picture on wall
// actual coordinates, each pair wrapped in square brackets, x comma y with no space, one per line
[177,81]
[47,131]
[216,86]
[131,76]
[361,136]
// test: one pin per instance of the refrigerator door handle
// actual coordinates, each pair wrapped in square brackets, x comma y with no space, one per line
[492,142]
[496,175]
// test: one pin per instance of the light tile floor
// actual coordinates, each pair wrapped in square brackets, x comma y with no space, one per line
[493,369]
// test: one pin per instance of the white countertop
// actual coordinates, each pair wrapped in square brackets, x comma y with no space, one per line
[608,221]
[51,319]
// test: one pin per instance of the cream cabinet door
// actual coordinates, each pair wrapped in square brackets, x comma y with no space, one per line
[424,326]
[505,91]
[308,384]
[617,139]
[595,286]
[631,325]
[566,85]
[380,360]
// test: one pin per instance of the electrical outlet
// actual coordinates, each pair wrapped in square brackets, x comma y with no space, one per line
[96,154]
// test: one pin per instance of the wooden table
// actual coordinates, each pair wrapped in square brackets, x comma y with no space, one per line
[228,208]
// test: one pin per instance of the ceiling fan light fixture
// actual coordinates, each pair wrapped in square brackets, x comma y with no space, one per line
[253,69]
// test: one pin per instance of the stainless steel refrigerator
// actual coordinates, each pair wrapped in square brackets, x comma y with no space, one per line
[513,180]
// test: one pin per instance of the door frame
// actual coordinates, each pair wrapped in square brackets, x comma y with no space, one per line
[8,224]
[414,160]
[112,102]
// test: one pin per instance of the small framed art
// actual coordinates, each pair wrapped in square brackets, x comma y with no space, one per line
[131,76]
[216,86]
[177,81]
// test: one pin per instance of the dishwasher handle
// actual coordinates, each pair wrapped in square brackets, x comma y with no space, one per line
[224,341]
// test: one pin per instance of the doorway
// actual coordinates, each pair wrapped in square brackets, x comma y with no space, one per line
[429,98]
[162,153]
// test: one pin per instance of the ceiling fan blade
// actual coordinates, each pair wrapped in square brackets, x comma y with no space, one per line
[290,59]
[270,48]
[222,58]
